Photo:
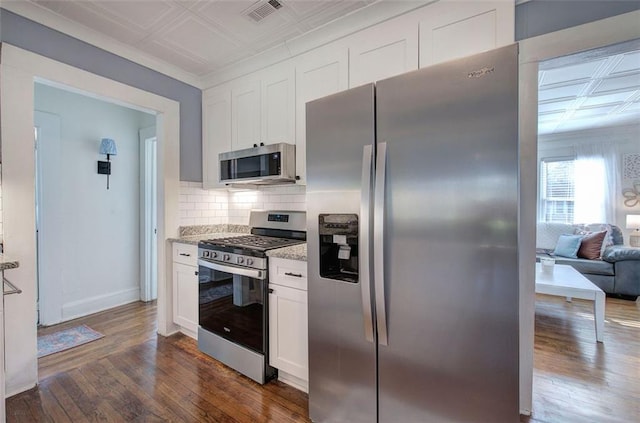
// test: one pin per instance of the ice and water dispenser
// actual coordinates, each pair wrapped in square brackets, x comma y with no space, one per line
[339,246]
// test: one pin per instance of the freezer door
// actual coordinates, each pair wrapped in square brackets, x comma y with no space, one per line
[342,361]
[450,242]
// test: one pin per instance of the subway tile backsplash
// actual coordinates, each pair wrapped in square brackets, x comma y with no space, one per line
[212,207]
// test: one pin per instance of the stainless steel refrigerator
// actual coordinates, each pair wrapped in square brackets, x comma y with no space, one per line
[412,197]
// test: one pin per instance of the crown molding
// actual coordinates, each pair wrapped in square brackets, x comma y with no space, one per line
[59,23]
[351,23]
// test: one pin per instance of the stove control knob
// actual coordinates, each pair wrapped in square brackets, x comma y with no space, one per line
[249,262]
[240,260]
[214,254]
[205,254]
[226,257]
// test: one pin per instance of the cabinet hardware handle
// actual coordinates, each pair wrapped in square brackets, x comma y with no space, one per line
[271,291]
[195,273]
[297,275]
[185,254]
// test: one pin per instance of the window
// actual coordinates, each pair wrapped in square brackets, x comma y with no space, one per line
[557,190]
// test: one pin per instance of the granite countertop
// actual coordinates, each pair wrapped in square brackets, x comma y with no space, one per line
[295,252]
[6,263]
[196,233]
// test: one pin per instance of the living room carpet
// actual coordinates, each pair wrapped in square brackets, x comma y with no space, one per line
[66,339]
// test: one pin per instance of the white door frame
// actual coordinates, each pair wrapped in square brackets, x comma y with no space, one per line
[148,214]
[534,50]
[19,70]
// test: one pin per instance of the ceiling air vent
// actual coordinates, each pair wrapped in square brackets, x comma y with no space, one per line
[262,9]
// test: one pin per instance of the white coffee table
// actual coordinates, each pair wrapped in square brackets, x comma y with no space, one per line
[568,282]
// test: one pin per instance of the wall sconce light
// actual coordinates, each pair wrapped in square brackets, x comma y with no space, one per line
[633,222]
[108,147]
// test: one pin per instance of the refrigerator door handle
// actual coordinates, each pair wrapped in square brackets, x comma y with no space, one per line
[378,243]
[365,227]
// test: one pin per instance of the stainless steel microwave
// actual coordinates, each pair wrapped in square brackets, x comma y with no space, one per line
[267,164]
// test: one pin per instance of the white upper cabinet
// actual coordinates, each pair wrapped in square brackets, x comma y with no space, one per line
[381,52]
[319,73]
[269,106]
[245,115]
[216,120]
[278,104]
[457,29]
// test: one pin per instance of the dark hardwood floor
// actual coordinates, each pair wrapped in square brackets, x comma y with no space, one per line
[134,375]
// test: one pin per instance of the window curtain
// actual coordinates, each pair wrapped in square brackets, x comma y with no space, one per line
[596,183]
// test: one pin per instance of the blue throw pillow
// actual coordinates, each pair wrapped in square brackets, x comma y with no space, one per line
[568,246]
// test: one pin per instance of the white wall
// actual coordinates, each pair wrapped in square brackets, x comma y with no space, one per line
[98,229]
[623,138]
[208,207]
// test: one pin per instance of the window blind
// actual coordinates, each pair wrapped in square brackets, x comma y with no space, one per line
[557,190]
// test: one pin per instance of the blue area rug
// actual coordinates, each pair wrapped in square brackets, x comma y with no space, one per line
[66,339]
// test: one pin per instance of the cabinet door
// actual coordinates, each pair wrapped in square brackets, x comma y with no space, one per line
[319,73]
[278,104]
[459,29]
[288,333]
[381,52]
[216,123]
[245,115]
[185,296]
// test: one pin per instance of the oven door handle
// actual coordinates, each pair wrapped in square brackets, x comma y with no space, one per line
[242,271]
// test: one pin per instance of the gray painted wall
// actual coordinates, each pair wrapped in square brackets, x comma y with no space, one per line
[539,17]
[32,36]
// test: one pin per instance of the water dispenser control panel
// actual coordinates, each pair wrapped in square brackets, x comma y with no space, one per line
[339,246]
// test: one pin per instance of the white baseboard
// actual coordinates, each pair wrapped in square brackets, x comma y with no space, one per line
[15,390]
[189,332]
[524,412]
[295,381]
[98,303]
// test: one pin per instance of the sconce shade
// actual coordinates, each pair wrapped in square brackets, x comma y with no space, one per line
[633,221]
[108,146]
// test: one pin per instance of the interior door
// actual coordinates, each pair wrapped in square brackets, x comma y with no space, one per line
[49,212]
[148,214]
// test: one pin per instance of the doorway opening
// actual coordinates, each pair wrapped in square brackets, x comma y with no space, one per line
[91,252]
[588,129]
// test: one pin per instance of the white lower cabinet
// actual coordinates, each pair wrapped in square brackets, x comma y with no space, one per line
[288,327]
[185,288]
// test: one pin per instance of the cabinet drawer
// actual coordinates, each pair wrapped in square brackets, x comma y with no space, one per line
[185,254]
[291,273]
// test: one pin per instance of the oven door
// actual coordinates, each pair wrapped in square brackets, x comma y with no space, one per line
[232,303]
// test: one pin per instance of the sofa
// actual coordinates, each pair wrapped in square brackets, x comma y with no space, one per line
[616,271]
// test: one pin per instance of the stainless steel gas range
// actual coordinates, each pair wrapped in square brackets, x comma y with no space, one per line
[233,291]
